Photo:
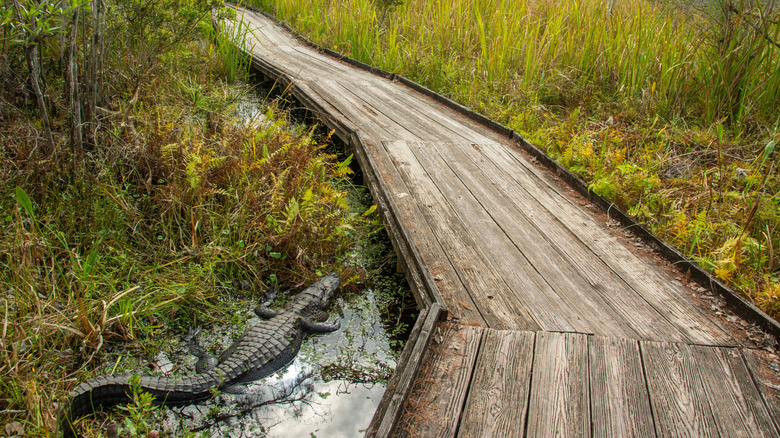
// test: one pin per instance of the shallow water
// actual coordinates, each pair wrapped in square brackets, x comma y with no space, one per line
[331,389]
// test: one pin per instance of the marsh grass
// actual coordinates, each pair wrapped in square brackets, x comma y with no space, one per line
[142,242]
[668,108]
[227,40]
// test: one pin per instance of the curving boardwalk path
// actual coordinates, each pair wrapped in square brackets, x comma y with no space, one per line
[540,317]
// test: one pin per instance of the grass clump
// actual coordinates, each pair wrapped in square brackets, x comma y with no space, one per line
[116,244]
[667,108]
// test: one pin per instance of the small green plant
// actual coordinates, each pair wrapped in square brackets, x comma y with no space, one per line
[140,414]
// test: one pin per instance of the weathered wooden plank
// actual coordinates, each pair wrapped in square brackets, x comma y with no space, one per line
[736,404]
[559,404]
[319,64]
[485,285]
[371,123]
[365,94]
[307,64]
[572,269]
[399,387]
[435,404]
[497,403]
[429,254]
[515,244]
[502,284]
[264,31]
[677,396]
[320,108]
[520,254]
[619,402]
[409,260]
[449,125]
[639,275]
[759,363]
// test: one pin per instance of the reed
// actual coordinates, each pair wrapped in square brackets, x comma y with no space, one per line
[655,55]
[226,42]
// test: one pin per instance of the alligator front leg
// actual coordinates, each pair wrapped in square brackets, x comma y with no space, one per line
[206,360]
[265,312]
[319,327]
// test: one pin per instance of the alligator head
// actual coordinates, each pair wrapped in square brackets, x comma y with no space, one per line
[317,297]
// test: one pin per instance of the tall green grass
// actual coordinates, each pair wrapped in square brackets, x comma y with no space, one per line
[227,37]
[656,55]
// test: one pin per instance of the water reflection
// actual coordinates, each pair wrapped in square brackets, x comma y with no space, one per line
[331,389]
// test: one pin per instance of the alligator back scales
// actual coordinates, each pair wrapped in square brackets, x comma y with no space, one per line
[262,350]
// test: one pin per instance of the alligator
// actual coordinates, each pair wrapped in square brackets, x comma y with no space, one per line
[262,350]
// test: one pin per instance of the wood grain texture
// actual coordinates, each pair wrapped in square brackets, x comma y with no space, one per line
[432,257]
[560,401]
[679,402]
[498,396]
[546,291]
[557,252]
[399,387]
[372,123]
[666,298]
[444,122]
[410,259]
[600,307]
[486,285]
[736,404]
[620,406]
[762,365]
[414,119]
[435,404]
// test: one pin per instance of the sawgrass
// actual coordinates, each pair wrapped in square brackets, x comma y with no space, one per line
[667,108]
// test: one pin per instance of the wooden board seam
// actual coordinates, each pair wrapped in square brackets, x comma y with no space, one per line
[530,388]
[647,388]
[397,397]
[428,281]
[758,385]
[471,377]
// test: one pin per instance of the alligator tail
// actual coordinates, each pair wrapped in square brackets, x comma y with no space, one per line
[111,390]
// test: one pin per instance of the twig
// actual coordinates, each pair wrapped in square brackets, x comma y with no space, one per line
[167,264]
[125,209]
[12,411]
[5,321]
[63,327]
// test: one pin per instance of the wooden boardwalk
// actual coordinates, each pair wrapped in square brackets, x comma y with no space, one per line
[539,317]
